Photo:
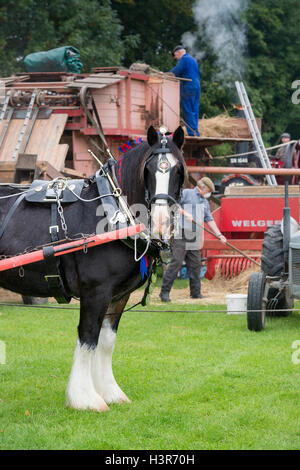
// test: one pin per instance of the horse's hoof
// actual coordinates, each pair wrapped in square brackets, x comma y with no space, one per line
[100,408]
[125,399]
[95,404]
[118,397]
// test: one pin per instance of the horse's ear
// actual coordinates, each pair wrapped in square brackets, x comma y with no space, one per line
[152,137]
[178,137]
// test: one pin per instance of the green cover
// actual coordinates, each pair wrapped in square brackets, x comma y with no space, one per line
[62,59]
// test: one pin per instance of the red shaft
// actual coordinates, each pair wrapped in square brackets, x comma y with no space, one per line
[35,256]
[242,170]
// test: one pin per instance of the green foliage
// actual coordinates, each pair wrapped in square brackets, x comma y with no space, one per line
[38,25]
[120,32]
[159,24]
[273,64]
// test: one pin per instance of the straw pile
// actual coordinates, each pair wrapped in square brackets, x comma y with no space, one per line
[219,126]
[214,291]
[237,284]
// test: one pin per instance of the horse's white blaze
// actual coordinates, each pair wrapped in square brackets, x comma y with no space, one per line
[103,376]
[81,392]
[160,213]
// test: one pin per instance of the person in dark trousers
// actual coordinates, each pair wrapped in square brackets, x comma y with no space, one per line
[187,246]
[280,154]
[190,91]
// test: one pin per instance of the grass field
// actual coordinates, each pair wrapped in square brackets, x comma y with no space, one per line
[196,381]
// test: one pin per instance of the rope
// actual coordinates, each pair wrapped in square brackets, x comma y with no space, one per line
[255,151]
[217,311]
[136,259]
[13,195]
[15,185]
[89,200]
[155,311]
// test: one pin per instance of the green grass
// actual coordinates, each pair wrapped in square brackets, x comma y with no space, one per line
[196,381]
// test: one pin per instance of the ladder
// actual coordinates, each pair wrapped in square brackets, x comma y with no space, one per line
[8,117]
[256,135]
[4,107]
[28,116]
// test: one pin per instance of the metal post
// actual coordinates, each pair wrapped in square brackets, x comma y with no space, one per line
[286,224]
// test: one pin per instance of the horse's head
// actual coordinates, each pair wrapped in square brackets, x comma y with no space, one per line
[164,174]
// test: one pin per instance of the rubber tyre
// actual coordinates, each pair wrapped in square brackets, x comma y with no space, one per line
[235,181]
[272,258]
[272,264]
[256,287]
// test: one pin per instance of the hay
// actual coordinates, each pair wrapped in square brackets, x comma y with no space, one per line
[237,284]
[214,291]
[140,67]
[219,126]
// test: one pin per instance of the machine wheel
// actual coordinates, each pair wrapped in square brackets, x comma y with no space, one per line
[256,287]
[272,259]
[237,180]
[272,264]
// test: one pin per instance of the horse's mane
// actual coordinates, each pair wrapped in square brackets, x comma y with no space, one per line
[131,168]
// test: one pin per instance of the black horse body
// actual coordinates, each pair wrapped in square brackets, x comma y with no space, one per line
[102,278]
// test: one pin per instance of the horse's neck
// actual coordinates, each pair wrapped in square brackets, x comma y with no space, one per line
[135,187]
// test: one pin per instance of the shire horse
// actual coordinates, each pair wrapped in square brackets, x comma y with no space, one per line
[104,277]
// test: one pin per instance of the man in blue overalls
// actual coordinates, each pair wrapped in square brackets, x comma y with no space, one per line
[187,67]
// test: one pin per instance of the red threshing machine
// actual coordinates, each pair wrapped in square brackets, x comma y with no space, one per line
[244,215]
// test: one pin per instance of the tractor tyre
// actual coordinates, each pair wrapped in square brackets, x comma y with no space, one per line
[256,306]
[272,264]
[272,258]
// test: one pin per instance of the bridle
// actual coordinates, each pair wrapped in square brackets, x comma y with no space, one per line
[163,166]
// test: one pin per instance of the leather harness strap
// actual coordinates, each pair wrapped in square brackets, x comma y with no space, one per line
[54,275]
[11,212]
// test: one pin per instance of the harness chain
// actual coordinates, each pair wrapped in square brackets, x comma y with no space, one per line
[60,209]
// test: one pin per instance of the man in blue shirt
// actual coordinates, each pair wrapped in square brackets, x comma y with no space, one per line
[187,245]
[190,91]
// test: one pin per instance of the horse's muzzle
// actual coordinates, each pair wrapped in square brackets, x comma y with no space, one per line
[161,220]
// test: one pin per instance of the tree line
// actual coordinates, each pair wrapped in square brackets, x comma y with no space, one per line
[120,32]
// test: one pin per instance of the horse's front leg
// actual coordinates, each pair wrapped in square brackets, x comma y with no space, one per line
[81,391]
[103,376]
